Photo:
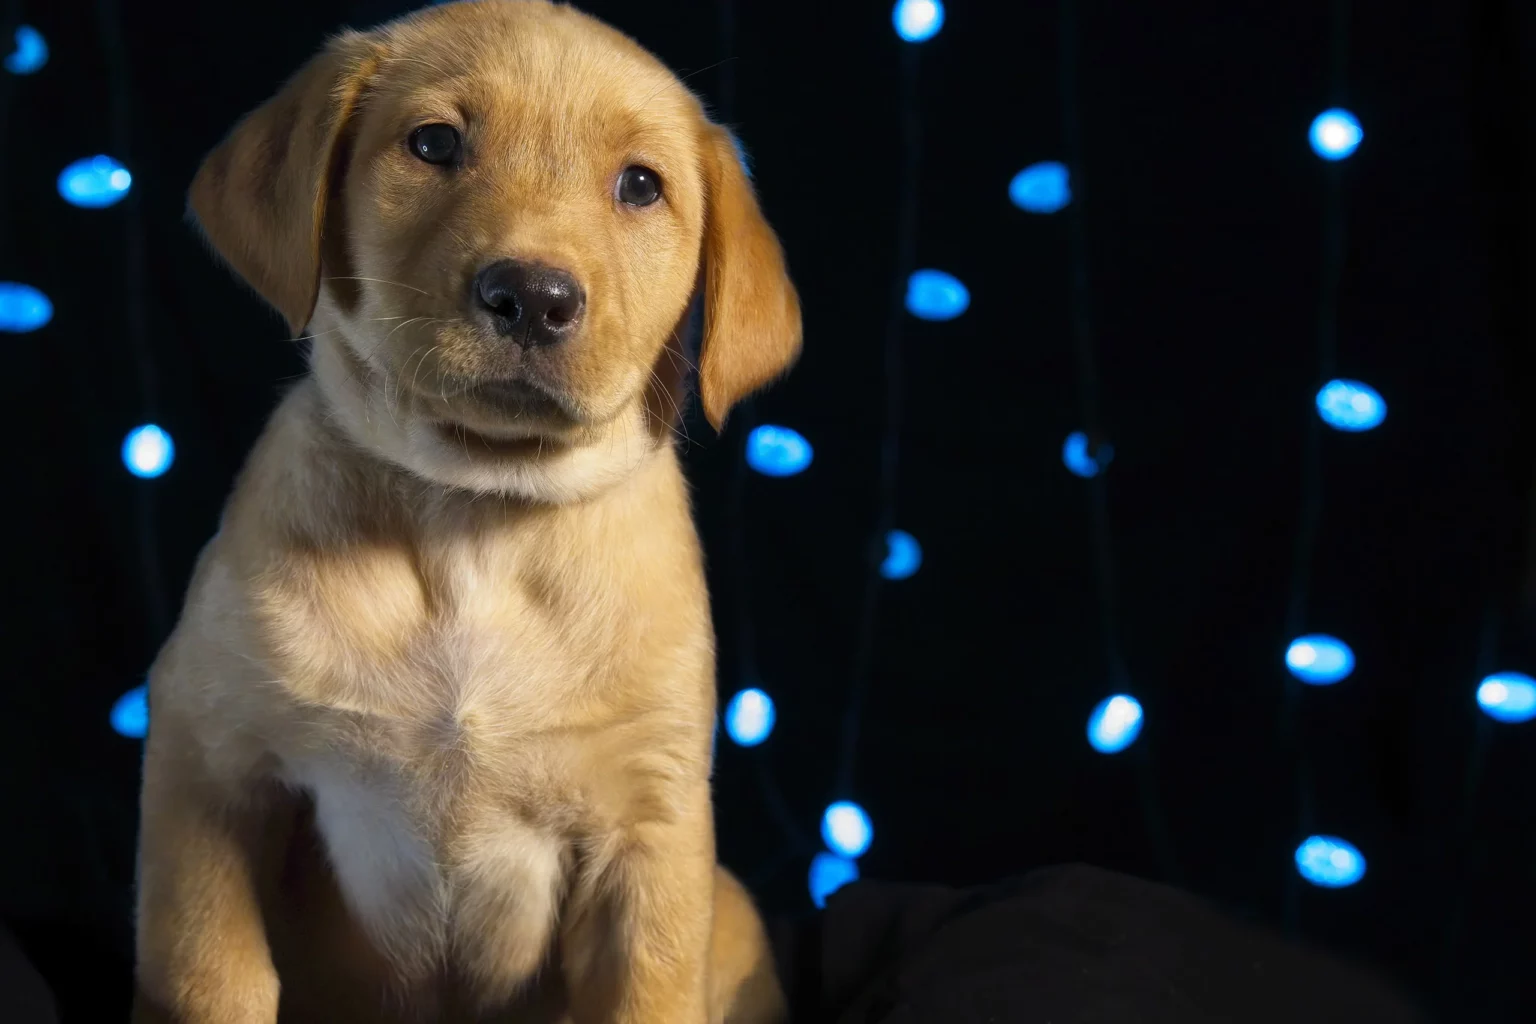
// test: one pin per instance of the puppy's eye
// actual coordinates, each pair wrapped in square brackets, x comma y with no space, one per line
[639,186]
[436,143]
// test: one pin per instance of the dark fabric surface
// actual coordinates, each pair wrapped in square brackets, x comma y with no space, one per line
[1062,945]
[24,996]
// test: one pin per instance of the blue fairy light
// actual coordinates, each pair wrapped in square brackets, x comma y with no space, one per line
[23,308]
[749,717]
[829,873]
[130,715]
[1350,406]
[94,182]
[1335,134]
[31,52]
[936,295]
[1077,455]
[1508,697]
[1114,724]
[903,555]
[148,451]
[1319,659]
[917,21]
[846,829]
[1330,862]
[1045,187]
[777,451]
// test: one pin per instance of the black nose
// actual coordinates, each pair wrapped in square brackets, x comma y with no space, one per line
[531,304]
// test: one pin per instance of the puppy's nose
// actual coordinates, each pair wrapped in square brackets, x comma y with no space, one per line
[531,304]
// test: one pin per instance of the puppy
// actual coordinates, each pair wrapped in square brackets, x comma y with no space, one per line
[431,740]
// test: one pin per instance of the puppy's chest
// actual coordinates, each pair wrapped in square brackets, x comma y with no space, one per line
[432,722]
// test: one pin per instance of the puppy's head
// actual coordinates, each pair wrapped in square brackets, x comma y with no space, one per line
[492,218]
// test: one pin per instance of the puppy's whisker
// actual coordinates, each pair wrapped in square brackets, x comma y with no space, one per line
[380,280]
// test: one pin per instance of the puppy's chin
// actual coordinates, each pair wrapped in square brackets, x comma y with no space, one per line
[478,457]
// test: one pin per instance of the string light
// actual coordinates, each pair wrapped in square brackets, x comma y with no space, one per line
[749,717]
[1329,862]
[1041,188]
[903,555]
[130,715]
[1335,134]
[1081,459]
[829,873]
[918,21]
[1350,406]
[1319,659]
[31,52]
[935,295]
[148,451]
[777,451]
[1508,697]
[94,182]
[23,308]
[1114,724]
[846,829]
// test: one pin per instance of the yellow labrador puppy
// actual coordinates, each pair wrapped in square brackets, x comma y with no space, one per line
[431,740]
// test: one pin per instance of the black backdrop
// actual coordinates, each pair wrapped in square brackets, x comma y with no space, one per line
[1204,212]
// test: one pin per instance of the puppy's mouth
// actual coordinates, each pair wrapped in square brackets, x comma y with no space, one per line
[520,401]
[506,419]
[474,442]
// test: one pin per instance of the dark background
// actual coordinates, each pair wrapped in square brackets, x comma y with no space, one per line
[1204,213]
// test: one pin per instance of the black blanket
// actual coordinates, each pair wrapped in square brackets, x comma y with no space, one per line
[1064,945]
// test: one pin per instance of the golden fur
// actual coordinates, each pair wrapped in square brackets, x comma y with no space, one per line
[431,740]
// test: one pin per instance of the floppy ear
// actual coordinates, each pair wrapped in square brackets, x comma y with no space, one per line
[260,196]
[751,312]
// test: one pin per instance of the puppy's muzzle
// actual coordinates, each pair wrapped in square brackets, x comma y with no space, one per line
[529,304]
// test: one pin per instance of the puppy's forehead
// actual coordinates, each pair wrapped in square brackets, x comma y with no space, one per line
[528,60]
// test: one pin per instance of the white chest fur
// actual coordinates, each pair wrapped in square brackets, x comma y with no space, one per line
[485,897]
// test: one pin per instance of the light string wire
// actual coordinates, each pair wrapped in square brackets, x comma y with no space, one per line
[1084,348]
[1499,101]
[120,82]
[1292,743]
[8,85]
[743,418]
[890,445]
[1465,851]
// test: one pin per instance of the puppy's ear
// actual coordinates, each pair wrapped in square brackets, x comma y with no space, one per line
[751,312]
[260,196]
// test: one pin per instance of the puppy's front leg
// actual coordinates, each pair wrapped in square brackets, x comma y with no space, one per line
[637,949]
[202,950]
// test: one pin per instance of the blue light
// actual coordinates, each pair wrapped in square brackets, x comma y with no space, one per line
[1114,724]
[846,829]
[130,715]
[749,717]
[94,182]
[1350,406]
[777,451]
[829,873]
[935,295]
[1319,659]
[1508,697]
[1041,188]
[1335,134]
[31,52]
[1330,862]
[917,21]
[148,451]
[1077,457]
[23,308]
[903,555]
